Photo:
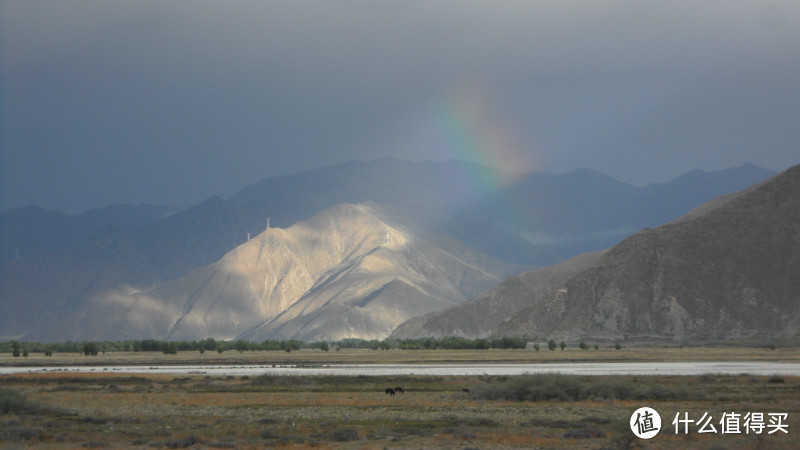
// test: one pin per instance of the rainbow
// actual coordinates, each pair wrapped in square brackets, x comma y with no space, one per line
[473,130]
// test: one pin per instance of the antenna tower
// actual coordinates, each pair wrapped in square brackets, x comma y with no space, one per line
[267,223]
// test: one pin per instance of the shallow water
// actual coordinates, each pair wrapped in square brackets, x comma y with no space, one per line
[644,368]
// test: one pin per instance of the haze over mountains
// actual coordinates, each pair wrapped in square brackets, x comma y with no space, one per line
[326,268]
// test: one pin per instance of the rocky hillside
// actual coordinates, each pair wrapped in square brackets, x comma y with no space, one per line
[729,270]
[480,317]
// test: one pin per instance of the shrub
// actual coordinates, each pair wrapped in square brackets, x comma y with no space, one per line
[543,387]
[19,434]
[344,435]
[11,401]
[586,433]
[181,443]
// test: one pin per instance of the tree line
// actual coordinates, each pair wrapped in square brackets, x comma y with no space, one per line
[94,348]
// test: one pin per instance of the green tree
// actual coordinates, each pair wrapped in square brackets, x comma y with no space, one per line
[241,346]
[15,348]
[90,348]
[551,344]
[324,346]
[583,346]
[536,347]
[169,348]
[562,344]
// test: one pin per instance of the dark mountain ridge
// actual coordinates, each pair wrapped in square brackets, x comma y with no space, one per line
[729,270]
[32,229]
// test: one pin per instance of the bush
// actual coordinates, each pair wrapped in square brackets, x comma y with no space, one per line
[19,434]
[181,443]
[543,387]
[11,401]
[585,433]
[344,435]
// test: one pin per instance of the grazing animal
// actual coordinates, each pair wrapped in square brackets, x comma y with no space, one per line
[399,390]
[390,391]
[465,390]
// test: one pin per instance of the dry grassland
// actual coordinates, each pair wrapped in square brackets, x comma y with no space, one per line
[62,410]
[360,356]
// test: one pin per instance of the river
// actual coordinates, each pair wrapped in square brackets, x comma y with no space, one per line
[594,368]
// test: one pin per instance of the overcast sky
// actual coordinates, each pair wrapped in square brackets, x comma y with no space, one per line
[172,102]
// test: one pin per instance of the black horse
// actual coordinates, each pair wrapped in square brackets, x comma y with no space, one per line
[390,391]
[399,390]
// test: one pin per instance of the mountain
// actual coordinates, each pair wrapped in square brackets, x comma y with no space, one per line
[31,229]
[727,270]
[529,220]
[584,211]
[480,317]
[348,271]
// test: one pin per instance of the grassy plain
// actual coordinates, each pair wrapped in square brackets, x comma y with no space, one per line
[61,410]
[363,356]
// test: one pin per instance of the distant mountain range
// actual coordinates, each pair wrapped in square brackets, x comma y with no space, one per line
[118,272]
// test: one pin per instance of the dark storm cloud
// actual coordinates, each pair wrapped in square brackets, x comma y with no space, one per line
[171,102]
